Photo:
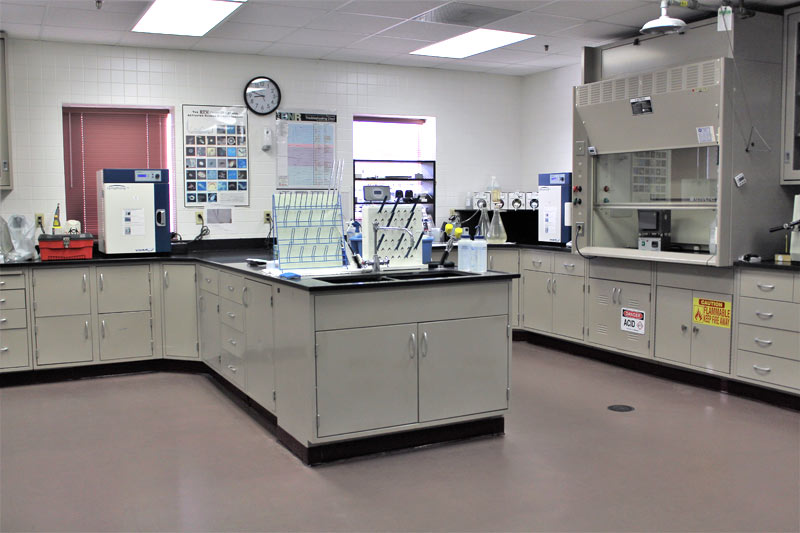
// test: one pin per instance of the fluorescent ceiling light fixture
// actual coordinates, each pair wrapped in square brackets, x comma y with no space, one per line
[185,17]
[471,43]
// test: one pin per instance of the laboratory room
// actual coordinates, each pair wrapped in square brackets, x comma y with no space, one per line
[413,265]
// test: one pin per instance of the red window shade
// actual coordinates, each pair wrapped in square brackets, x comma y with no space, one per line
[107,138]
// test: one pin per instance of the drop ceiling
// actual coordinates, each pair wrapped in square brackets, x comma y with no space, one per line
[366,31]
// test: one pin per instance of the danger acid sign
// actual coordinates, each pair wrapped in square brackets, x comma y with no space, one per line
[711,312]
[632,320]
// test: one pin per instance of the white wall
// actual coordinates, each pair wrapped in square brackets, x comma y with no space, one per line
[547,122]
[479,127]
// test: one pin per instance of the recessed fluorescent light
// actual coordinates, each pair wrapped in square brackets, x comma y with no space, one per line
[471,43]
[185,17]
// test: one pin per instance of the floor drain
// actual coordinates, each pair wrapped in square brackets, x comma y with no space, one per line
[620,408]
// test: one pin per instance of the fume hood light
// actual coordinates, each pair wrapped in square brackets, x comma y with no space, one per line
[664,23]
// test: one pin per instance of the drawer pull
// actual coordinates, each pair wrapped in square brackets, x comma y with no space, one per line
[4,349]
[2,300]
[232,315]
[765,287]
[244,296]
[763,342]
[760,369]
[537,263]
[569,265]
[233,342]
[765,316]
[2,283]
[208,280]
[231,288]
[3,320]
[232,368]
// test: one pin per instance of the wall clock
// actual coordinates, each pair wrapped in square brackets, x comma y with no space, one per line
[262,95]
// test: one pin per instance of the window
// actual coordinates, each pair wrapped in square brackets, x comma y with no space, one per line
[395,138]
[97,138]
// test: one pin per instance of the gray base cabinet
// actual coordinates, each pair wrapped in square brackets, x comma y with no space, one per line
[63,339]
[260,377]
[606,300]
[553,303]
[126,335]
[179,305]
[208,311]
[14,334]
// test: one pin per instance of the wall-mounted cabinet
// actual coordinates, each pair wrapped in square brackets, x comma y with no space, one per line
[5,171]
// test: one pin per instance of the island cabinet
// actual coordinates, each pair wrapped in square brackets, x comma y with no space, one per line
[380,361]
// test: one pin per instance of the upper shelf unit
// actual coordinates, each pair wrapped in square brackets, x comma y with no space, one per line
[408,181]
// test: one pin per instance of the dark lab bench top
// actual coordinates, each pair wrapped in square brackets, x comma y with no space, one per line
[513,245]
[770,265]
[236,260]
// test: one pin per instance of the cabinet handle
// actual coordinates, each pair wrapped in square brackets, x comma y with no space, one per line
[101,281]
[491,262]
[569,265]
[537,263]
[684,327]
[103,328]
[232,315]
[614,295]
[233,342]
[695,330]
[244,298]
[548,285]
[166,279]
[765,287]
[619,296]
[763,342]
[84,283]
[208,280]
[424,344]
[554,286]
[764,369]
[3,320]
[412,342]
[4,349]
[231,288]
[2,300]
[765,316]
[232,368]
[2,283]
[86,329]
[202,304]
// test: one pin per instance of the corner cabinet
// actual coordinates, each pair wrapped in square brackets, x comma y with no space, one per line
[790,168]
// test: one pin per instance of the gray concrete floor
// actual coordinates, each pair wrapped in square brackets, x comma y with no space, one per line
[169,452]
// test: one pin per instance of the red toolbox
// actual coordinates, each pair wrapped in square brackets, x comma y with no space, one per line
[66,246]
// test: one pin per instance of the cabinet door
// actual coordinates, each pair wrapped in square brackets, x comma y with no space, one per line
[260,377]
[180,311]
[606,301]
[673,324]
[568,305]
[537,300]
[126,335]
[61,291]
[123,288]
[366,378]
[463,367]
[14,348]
[508,261]
[711,345]
[208,305]
[63,339]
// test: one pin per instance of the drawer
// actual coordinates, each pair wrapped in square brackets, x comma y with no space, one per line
[769,369]
[769,313]
[504,260]
[769,341]
[12,299]
[232,314]
[569,264]
[764,284]
[232,368]
[699,278]
[209,279]
[12,279]
[536,260]
[231,286]
[13,318]
[14,348]
[232,341]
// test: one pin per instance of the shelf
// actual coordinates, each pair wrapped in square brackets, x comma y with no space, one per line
[659,205]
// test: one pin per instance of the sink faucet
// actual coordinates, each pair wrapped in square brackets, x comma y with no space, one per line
[376,259]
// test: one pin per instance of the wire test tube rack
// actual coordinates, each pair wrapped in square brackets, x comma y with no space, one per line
[308,227]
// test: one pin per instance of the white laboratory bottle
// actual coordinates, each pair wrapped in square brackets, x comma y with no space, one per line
[712,237]
[479,255]
[465,254]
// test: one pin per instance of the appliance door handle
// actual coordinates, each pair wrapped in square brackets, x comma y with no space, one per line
[161,217]
[765,316]
[424,344]
[103,328]
[412,344]
[166,279]
[765,286]
[101,281]
[760,369]
[84,283]
[763,342]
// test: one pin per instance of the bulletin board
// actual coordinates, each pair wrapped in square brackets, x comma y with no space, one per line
[215,159]
[306,149]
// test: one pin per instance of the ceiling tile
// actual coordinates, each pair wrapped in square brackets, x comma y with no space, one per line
[514,5]
[154,40]
[405,60]
[463,14]
[359,56]
[389,44]
[296,50]
[90,19]
[115,6]
[589,9]
[79,35]
[21,14]
[330,39]
[600,31]
[553,61]
[503,55]
[425,31]
[536,23]
[405,9]
[249,32]
[237,46]
[349,22]
[518,70]
[311,4]
[275,15]
[21,31]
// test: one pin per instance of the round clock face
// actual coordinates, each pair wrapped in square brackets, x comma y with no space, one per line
[262,95]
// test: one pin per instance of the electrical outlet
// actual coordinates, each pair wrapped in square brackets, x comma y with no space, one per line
[267,217]
[198,218]
[579,228]
[39,219]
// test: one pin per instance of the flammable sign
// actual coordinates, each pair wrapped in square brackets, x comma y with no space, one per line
[711,312]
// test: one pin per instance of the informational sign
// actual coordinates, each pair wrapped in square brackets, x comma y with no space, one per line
[711,312]
[550,214]
[633,321]
[133,222]
[306,149]
[216,163]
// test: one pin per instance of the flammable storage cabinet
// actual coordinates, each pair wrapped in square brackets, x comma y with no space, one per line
[681,163]
[133,211]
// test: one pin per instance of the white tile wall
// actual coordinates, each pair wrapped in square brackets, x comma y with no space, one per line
[480,129]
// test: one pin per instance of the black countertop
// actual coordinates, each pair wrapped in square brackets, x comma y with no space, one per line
[771,265]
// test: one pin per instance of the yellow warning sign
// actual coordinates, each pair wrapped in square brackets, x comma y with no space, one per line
[711,312]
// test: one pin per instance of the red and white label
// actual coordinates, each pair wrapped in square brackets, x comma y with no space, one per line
[633,321]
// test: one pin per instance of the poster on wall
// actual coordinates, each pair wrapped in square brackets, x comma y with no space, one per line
[215,159]
[306,149]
